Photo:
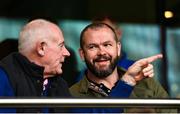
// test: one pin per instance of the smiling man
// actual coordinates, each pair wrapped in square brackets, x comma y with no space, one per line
[100,49]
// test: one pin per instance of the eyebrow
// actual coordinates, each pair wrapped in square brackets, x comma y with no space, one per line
[107,42]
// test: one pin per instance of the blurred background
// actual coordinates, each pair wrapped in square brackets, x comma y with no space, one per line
[148,27]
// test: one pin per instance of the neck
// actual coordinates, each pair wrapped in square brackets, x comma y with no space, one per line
[109,81]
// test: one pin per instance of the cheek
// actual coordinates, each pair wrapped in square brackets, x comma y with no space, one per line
[55,64]
[115,52]
[90,56]
[54,58]
[56,54]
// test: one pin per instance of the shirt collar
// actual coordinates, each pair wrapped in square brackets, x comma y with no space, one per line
[86,83]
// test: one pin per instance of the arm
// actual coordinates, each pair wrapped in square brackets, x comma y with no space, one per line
[5,90]
[140,69]
[5,87]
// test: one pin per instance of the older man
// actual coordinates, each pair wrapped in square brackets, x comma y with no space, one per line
[33,71]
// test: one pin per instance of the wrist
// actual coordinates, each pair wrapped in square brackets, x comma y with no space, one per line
[128,80]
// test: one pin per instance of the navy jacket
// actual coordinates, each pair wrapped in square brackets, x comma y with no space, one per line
[22,79]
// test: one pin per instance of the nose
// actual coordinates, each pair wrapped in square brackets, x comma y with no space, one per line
[66,52]
[101,51]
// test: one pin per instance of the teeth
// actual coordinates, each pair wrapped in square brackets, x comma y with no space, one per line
[102,60]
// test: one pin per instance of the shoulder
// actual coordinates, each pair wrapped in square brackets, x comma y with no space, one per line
[9,57]
[80,88]
[75,89]
[9,62]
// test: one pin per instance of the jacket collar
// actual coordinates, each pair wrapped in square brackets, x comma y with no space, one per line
[30,68]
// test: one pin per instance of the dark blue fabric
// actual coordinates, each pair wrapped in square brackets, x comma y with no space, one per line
[124,62]
[5,90]
[121,90]
[97,110]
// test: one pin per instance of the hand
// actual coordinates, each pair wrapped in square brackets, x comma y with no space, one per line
[140,69]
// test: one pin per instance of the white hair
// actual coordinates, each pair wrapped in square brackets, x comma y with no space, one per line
[35,31]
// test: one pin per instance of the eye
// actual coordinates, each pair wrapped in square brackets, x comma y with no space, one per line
[107,45]
[92,46]
[61,45]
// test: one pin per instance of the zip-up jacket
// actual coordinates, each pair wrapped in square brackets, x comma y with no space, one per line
[21,78]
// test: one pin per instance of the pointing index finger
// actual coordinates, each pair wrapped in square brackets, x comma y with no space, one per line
[153,58]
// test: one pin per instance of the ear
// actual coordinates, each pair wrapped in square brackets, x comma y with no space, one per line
[119,48]
[41,48]
[81,53]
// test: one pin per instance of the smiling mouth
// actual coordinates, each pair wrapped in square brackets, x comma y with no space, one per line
[102,62]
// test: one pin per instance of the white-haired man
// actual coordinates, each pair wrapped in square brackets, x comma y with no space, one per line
[34,70]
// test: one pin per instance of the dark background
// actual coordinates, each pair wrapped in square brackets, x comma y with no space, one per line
[134,11]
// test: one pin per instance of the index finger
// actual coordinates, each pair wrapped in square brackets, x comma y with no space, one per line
[153,58]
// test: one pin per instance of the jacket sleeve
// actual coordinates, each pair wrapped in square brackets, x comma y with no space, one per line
[5,90]
[149,88]
[5,87]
